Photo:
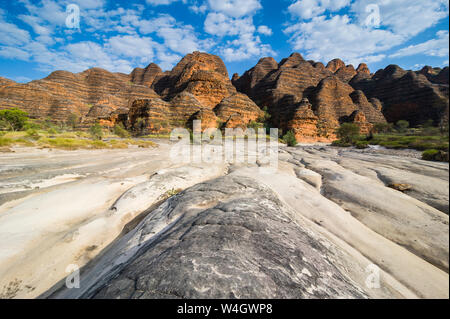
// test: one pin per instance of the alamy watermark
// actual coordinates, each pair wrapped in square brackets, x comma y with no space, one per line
[73,16]
[373,19]
[237,146]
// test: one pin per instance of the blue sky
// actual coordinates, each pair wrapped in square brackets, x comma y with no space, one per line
[40,36]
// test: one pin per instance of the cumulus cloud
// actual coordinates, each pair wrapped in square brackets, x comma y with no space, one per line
[403,17]
[235,8]
[325,39]
[234,19]
[307,9]
[323,33]
[162,2]
[265,30]
[435,47]
[10,34]
[220,25]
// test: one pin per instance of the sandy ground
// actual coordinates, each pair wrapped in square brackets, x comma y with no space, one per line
[61,208]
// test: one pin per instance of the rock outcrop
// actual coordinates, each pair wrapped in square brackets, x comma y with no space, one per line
[282,88]
[145,76]
[197,88]
[407,95]
[63,93]
[222,239]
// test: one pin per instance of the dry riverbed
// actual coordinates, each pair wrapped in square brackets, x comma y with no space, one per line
[111,210]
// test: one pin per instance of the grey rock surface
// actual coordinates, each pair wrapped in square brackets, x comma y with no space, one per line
[227,238]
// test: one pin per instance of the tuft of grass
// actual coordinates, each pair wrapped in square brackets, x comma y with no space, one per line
[435,155]
[5,141]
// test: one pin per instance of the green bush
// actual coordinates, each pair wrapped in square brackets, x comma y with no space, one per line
[402,125]
[255,125]
[435,155]
[72,121]
[289,138]
[341,143]
[348,132]
[383,127]
[33,134]
[96,131]
[120,131]
[14,118]
[362,144]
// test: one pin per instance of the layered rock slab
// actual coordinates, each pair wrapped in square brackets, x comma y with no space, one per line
[221,239]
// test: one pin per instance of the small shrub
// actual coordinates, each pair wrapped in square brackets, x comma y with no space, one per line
[120,131]
[348,132]
[4,141]
[383,127]
[435,155]
[289,139]
[72,121]
[402,125]
[33,134]
[14,118]
[255,125]
[341,143]
[362,144]
[96,131]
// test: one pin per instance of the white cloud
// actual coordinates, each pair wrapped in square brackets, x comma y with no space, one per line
[307,9]
[245,47]
[14,53]
[404,17]
[234,18]
[161,2]
[235,8]
[323,35]
[435,47]
[221,25]
[89,4]
[133,46]
[265,30]
[325,39]
[10,34]
[151,26]
[198,9]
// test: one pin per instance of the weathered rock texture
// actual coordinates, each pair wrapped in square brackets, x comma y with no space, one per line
[152,101]
[413,96]
[197,88]
[282,88]
[222,239]
[63,93]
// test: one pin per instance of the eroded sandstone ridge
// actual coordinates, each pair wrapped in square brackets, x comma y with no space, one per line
[93,94]
[307,97]
[198,88]
[406,95]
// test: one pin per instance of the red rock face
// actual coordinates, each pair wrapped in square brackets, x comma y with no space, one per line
[335,65]
[145,76]
[198,88]
[63,93]
[408,95]
[286,88]
[303,96]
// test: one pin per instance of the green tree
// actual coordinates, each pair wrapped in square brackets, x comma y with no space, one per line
[402,126]
[289,138]
[120,131]
[13,118]
[72,121]
[348,132]
[382,127]
[96,131]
